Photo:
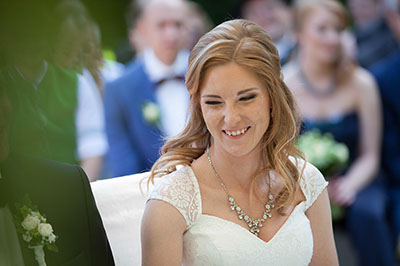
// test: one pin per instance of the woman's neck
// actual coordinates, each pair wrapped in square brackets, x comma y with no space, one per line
[235,170]
[317,77]
[314,68]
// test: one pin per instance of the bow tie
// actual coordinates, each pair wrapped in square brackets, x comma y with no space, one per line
[161,81]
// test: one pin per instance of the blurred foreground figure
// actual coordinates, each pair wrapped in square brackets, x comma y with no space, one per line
[42,74]
[61,192]
[149,102]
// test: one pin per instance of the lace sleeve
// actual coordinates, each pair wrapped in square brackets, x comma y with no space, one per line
[312,182]
[181,190]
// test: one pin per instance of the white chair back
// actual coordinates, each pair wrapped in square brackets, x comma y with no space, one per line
[121,205]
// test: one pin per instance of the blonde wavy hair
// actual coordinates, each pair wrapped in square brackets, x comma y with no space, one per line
[248,45]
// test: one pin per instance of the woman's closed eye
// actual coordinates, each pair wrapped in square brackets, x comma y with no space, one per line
[247,98]
[212,102]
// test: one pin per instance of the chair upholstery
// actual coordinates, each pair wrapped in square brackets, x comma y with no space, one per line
[121,205]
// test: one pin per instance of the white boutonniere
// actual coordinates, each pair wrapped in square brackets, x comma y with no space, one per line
[35,230]
[151,113]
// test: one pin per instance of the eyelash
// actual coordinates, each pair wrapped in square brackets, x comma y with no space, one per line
[247,98]
[243,99]
[212,102]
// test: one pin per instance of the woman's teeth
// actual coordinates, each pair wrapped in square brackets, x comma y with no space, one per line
[235,133]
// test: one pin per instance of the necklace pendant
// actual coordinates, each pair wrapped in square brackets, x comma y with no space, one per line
[255,230]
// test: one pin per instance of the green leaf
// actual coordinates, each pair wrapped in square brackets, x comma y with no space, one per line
[52,247]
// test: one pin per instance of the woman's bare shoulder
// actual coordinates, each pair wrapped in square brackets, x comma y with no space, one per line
[362,80]
[291,78]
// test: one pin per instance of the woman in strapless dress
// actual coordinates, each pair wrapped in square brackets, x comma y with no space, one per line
[336,96]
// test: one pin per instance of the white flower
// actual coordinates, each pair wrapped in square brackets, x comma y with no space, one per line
[151,113]
[52,238]
[27,237]
[342,153]
[30,222]
[45,229]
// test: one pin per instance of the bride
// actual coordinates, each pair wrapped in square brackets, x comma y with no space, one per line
[234,190]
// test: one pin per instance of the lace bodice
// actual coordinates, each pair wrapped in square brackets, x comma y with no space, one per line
[209,240]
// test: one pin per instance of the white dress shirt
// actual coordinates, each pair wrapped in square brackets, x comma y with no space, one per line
[171,96]
[89,119]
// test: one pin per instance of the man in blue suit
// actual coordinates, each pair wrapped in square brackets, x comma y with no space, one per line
[387,74]
[149,102]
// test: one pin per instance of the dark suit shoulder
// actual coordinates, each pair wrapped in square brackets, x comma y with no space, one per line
[387,70]
[43,169]
[62,193]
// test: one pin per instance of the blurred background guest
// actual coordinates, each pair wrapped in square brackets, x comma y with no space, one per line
[387,75]
[374,39]
[276,18]
[149,102]
[197,23]
[336,96]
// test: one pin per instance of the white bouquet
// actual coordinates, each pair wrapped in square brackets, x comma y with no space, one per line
[328,155]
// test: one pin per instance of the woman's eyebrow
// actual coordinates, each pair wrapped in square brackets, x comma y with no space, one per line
[239,93]
[246,90]
[210,95]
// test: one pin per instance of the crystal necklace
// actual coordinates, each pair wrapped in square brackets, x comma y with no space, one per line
[254,224]
[320,93]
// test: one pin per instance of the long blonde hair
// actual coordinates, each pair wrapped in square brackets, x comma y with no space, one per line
[248,45]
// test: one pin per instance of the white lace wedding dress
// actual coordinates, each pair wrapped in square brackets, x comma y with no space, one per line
[209,240]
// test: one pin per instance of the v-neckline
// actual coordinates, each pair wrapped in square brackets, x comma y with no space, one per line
[248,232]
[235,224]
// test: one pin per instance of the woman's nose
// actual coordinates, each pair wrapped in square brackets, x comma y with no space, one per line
[333,37]
[231,115]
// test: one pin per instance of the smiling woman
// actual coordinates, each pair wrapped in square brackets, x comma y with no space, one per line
[233,189]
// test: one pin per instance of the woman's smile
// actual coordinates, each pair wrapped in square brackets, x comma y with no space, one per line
[236,133]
